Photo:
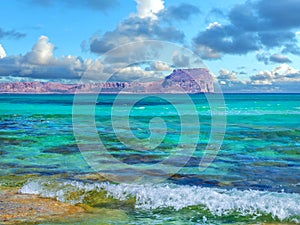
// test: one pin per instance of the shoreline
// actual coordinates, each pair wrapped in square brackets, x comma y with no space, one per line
[23,208]
[20,209]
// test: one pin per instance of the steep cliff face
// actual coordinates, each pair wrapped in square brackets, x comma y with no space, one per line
[55,87]
[36,87]
[179,81]
[190,80]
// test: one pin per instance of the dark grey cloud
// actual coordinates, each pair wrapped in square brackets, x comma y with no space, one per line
[244,17]
[277,38]
[265,15]
[11,34]
[18,66]
[280,14]
[291,48]
[134,29]
[9,67]
[180,60]
[181,12]
[293,76]
[277,58]
[159,26]
[101,45]
[227,39]
[255,25]
[266,57]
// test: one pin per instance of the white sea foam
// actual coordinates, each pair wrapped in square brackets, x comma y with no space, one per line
[218,201]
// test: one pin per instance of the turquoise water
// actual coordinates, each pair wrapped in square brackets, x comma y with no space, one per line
[254,178]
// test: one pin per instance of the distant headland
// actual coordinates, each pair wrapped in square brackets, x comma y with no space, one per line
[196,80]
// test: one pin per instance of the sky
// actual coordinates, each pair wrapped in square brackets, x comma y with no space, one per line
[249,46]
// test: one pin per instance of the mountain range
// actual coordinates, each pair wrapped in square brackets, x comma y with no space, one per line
[196,80]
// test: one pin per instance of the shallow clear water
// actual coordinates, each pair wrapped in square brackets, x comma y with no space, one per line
[254,178]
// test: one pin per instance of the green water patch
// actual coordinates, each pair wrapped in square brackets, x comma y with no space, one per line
[274,135]
[201,215]
[86,195]
[93,216]
[15,180]
[287,150]
[100,199]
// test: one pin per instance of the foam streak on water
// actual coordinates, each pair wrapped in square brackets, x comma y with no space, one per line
[149,197]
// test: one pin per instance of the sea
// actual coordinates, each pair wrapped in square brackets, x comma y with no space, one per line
[158,159]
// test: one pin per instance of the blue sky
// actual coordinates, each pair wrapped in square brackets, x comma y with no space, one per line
[250,46]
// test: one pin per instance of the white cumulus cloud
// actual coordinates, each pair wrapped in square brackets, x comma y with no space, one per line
[160,66]
[283,73]
[41,63]
[42,52]
[227,78]
[284,70]
[149,8]
[2,52]
[212,25]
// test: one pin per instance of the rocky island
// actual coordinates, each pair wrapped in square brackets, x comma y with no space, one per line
[197,80]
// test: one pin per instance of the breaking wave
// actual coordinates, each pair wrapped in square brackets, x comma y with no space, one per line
[219,202]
